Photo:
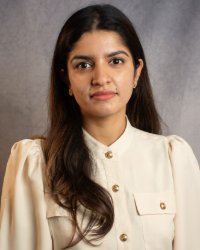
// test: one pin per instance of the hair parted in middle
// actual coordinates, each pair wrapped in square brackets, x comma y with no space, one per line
[69,163]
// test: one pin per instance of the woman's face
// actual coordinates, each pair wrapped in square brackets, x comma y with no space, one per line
[101,74]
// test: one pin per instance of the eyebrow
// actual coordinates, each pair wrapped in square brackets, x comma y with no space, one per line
[117,53]
[83,57]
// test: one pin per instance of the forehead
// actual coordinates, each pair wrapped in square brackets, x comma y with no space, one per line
[99,41]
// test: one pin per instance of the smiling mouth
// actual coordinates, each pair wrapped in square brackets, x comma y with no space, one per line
[103,95]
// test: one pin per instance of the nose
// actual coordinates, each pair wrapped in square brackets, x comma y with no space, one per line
[100,75]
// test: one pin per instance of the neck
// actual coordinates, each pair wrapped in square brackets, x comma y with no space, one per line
[105,130]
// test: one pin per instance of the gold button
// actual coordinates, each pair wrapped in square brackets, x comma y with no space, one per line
[108,155]
[123,237]
[115,188]
[162,205]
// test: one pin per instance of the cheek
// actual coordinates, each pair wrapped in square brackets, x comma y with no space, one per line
[76,85]
[129,92]
[125,84]
[80,92]
[79,83]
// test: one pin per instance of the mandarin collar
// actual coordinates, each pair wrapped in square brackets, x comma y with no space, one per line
[117,148]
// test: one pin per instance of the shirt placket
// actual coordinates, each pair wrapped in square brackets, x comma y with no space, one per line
[116,189]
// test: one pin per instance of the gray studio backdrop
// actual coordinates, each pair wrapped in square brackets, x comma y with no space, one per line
[169,31]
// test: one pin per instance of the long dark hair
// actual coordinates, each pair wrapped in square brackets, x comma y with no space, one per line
[69,163]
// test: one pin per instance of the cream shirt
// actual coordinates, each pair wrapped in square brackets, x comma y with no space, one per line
[154,182]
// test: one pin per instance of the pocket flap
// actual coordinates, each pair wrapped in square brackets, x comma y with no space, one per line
[155,203]
[53,209]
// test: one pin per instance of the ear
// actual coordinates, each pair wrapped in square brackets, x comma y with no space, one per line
[138,71]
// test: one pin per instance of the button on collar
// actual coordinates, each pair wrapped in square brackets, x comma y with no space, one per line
[115,188]
[109,154]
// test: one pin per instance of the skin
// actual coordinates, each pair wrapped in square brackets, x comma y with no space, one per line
[102,77]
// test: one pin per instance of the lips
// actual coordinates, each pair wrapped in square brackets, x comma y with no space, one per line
[103,95]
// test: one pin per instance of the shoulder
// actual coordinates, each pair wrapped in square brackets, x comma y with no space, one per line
[27,146]
[181,152]
[173,151]
[171,140]
[26,149]
[173,145]
[26,158]
[24,167]
[178,143]
[149,140]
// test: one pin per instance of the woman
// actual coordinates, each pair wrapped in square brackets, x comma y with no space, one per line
[103,178]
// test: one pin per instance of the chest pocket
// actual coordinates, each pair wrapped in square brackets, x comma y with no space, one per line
[60,223]
[157,212]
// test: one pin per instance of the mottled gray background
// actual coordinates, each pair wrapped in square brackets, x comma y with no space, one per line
[169,31]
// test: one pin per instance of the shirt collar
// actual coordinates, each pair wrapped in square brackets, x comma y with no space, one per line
[117,148]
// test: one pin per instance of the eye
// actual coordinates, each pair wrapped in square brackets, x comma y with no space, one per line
[116,61]
[83,65]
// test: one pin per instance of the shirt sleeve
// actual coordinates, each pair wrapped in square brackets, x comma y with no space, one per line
[23,223]
[186,176]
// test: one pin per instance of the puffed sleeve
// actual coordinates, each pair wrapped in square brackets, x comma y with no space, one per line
[23,223]
[186,176]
